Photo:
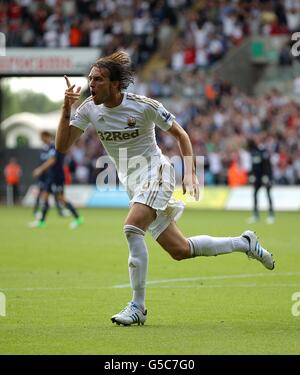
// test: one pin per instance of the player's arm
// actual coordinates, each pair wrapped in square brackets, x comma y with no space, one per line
[37,172]
[190,181]
[67,134]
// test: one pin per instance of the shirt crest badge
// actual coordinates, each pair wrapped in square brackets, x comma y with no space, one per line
[131,122]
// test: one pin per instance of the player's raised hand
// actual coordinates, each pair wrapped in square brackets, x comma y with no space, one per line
[71,96]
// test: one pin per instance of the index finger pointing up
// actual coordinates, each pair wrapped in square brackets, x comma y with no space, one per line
[67,81]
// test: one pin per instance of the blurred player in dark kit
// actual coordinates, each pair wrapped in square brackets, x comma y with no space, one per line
[260,175]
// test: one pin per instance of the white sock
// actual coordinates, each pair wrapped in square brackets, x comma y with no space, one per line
[137,263]
[212,246]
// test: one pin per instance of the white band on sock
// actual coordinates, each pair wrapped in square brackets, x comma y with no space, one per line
[132,228]
[192,250]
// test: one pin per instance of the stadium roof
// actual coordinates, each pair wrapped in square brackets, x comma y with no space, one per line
[28,125]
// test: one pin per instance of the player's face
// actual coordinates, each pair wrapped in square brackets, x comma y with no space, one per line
[46,139]
[100,85]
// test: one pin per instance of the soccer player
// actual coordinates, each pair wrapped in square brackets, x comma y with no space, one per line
[127,121]
[52,181]
[260,175]
[41,183]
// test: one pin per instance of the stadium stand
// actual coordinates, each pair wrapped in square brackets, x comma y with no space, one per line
[130,24]
[218,125]
[173,44]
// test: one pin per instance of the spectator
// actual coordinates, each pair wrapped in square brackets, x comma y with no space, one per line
[13,173]
[236,175]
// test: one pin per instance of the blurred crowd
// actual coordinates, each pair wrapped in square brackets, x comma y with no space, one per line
[208,29]
[219,119]
[134,25]
[187,33]
[190,35]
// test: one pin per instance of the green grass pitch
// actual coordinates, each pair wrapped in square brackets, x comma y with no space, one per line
[60,288]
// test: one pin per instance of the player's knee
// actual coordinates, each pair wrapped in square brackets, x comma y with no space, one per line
[45,205]
[179,255]
[178,252]
[135,222]
[133,262]
[132,230]
[44,196]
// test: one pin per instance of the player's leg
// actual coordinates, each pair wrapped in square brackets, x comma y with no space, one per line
[255,209]
[67,204]
[45,205]
[57,204]
[15,194]
[37,202]
[270,219]
[138,219]
[179,247]
[255,215]
[40,223]
[78,220]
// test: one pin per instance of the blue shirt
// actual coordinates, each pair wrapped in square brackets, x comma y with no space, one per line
[55,174]
[57,169]
[47,153]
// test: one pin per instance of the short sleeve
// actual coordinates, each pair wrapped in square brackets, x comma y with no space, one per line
[52,152]
[160,116]
[80,118]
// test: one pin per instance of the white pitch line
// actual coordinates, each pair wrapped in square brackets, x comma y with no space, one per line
[252,285]
[244,285]
[58,288]
[177,280]
[220,277]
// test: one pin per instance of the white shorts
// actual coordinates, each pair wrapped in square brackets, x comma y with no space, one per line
[156,191]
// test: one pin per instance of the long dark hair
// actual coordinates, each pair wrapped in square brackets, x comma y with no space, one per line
[119,66]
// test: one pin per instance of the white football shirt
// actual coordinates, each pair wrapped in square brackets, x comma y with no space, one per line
[130,126]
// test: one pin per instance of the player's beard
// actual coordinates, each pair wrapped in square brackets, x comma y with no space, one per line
[99,99]
[96,100]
